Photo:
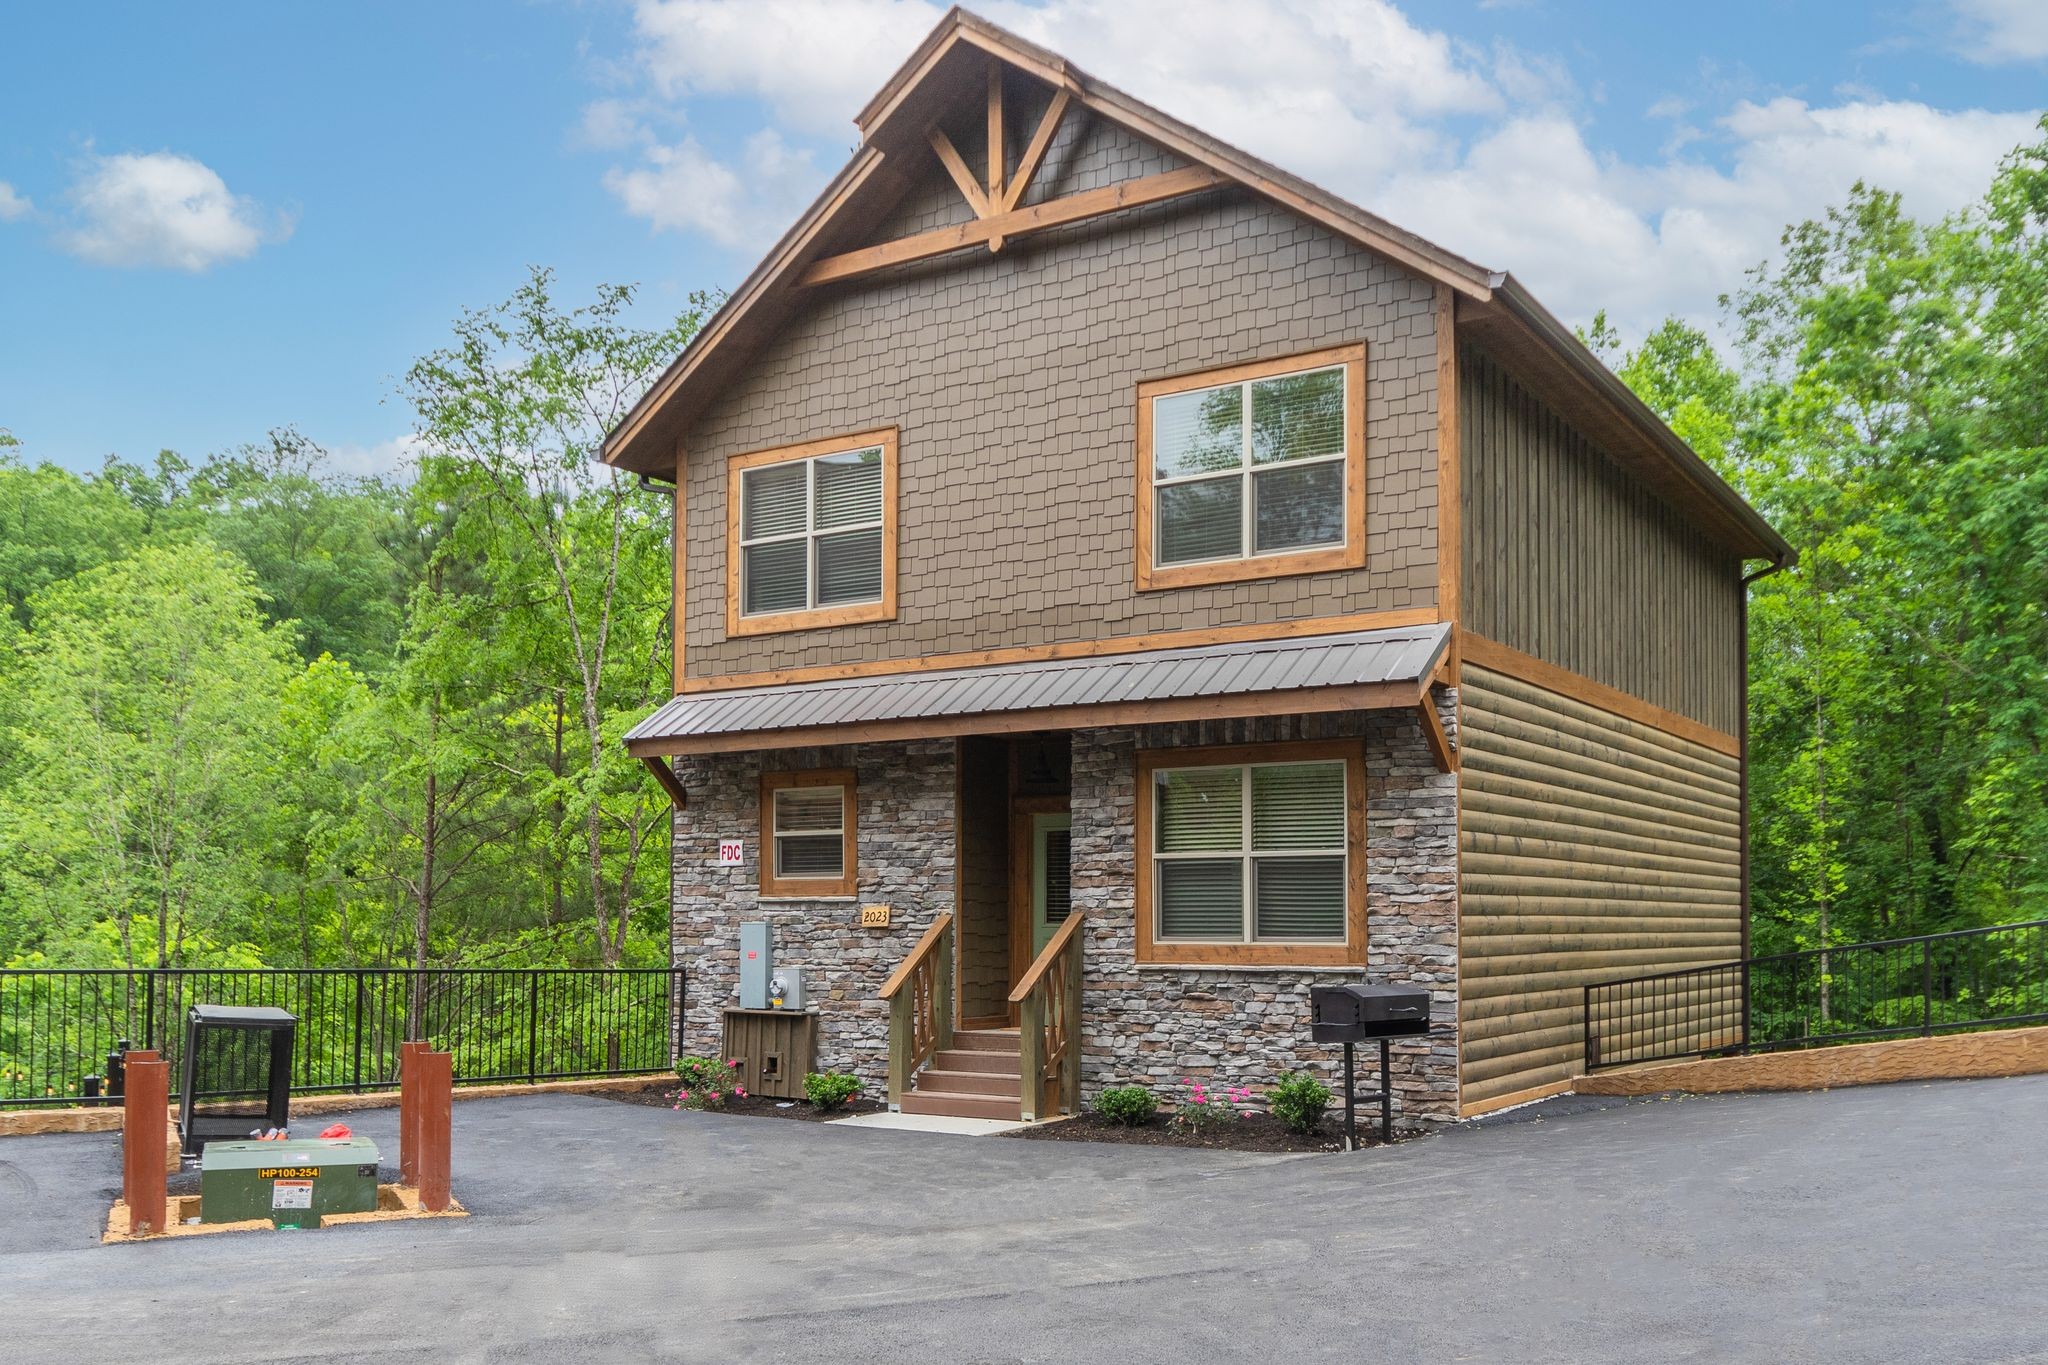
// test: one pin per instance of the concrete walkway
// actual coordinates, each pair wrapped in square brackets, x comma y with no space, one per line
[1879,1224]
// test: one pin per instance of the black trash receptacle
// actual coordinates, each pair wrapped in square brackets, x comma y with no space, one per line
[237,1073]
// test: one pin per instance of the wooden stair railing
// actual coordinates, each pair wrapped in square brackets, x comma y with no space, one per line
[1048,1002]
[920,996]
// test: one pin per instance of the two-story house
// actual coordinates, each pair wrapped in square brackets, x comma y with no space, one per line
[1165,586]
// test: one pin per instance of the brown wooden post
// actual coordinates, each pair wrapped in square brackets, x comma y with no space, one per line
[144,1161]
[434,1075]
[409,1113]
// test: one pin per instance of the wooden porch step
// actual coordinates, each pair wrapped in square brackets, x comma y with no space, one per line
[968,1082]
[987,1040]
[989,1063]
[953,1104]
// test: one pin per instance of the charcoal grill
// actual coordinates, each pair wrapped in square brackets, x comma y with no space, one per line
[1361,1012]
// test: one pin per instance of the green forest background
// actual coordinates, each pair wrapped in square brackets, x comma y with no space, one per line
[257,713]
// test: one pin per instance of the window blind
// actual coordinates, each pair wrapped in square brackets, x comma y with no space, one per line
[811,532]
[809,832]
[1252,852]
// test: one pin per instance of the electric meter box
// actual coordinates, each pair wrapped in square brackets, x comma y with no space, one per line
[757,964]
[290,1184]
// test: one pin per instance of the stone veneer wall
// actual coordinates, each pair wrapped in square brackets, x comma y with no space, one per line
[904,831]
[1152,1024]
[1158,1025]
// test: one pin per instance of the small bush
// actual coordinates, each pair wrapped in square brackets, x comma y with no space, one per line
[1299,1101]
[707,1084]
[1131,1106]
[1204,1108]
[830,1089]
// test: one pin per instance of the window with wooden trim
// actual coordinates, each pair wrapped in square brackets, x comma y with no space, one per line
[811,535]
[807,833]
[1253,471]
[1252,854]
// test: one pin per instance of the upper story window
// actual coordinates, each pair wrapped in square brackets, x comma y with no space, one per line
[811,534]
[1251,854]
[1253,471]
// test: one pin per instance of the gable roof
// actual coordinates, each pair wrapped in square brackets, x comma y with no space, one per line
[1491,305]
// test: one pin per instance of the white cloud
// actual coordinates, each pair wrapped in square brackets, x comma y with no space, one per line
[1487,153]
[814,62]
[1998,31]
[387,458]
[13,204]
[162,209]
[1644,240]
[679,187]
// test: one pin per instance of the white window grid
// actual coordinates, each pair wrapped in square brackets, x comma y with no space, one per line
[777,833]
[1247,501]
[1245,854]
[810,534]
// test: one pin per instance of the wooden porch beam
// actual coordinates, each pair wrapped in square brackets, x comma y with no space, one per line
[1041,141]
[1073,208]
[963,179]
[1433,733]
[666,776]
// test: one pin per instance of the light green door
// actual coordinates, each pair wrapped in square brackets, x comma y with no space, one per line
[1051,884]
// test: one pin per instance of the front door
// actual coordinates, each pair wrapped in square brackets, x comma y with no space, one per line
[1051,886]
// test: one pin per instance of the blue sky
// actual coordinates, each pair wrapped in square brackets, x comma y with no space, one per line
[217,219]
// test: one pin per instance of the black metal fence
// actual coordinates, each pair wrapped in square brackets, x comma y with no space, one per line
[57,1026]
[1937,983]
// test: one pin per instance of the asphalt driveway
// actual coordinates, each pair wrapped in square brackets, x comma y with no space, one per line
[1882,1224]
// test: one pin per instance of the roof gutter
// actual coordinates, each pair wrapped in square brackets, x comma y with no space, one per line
[1563,342]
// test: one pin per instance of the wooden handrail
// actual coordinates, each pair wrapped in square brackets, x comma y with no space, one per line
[1048,1002]
[1042,964]
[917,955]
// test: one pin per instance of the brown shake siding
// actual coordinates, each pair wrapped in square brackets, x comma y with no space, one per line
[1571,560]
[1013,380]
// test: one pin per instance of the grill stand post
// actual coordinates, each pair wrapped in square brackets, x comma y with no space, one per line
[1386,1093]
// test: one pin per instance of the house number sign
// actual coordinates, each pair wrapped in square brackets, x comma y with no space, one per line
[874,917]
[731,852]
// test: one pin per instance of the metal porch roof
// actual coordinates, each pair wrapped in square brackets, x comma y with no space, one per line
[1315,670]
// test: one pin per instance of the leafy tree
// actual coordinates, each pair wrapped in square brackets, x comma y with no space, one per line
[148,706]
[332,554]
[572,554]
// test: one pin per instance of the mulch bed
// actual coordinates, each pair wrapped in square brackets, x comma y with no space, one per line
[759,1106]
[1252,1133]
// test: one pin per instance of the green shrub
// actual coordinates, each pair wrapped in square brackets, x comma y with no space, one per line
[1299,1101]
[1131,1106]
[707,1084]
[830,1089]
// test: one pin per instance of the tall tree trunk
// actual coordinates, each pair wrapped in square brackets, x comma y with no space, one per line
[554,858]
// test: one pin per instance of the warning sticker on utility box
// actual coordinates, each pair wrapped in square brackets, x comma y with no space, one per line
[292,1194]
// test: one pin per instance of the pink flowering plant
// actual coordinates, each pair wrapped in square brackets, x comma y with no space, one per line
[707,1084]
[1204,1106]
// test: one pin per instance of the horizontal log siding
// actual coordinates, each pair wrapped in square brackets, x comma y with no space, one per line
[1590,847]
[1568,558]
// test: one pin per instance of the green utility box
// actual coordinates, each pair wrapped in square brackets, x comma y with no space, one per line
[292,1183]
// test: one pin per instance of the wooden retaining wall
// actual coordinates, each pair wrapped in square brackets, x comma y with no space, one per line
[1591,847]
[2013,1052]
